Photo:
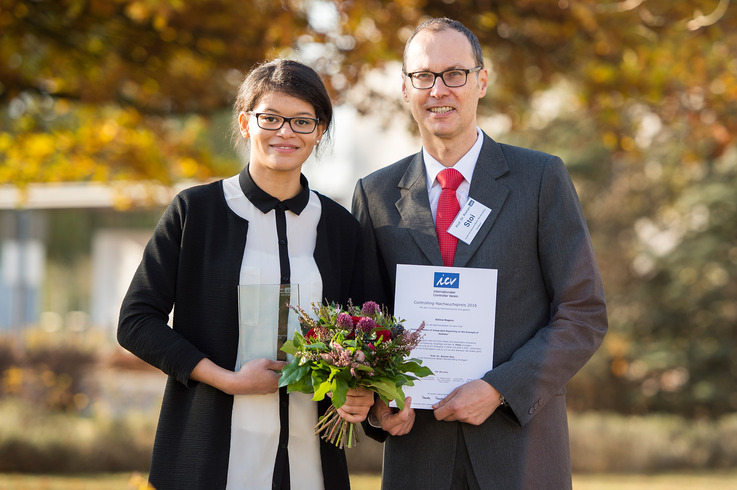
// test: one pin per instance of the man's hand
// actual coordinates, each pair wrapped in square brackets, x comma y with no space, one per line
[357,405]
[471,403]
[396,423]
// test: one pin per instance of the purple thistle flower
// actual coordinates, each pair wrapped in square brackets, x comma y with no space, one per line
[365,325]
[345,321]
[370,308]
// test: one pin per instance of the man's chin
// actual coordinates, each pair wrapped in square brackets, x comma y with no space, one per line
[442,129]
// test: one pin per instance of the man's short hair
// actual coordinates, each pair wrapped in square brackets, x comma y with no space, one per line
[443,23]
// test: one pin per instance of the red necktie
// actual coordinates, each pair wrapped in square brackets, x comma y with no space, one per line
[448,208]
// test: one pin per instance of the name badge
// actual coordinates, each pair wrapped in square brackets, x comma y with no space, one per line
[469,220]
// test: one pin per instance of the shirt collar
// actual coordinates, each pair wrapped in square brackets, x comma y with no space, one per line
[266,202]
[465,165]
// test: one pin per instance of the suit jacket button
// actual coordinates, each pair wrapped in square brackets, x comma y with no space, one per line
[531,411]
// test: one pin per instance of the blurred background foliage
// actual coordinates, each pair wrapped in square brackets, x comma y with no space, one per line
[638,96]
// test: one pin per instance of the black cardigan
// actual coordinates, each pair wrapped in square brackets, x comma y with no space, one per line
[192,263]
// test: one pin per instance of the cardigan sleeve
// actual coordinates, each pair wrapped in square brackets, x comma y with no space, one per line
[143,326]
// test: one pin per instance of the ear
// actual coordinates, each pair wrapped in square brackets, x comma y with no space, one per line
[243,122]
[320,132]
[404,88]
[483,82]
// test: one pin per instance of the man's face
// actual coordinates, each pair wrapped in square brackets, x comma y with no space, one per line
[443,112]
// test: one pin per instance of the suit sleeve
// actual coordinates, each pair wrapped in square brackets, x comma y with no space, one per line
[541,367]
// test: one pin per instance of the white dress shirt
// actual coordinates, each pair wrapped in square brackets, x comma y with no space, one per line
[465,166]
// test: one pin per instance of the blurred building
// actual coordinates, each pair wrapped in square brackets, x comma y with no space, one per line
[64,252]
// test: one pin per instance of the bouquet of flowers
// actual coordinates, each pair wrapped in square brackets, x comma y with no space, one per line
[345,348]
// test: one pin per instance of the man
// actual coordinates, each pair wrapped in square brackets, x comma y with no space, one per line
[508,429]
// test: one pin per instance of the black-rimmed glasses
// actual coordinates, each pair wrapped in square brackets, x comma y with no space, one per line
[453,78]
[274,122]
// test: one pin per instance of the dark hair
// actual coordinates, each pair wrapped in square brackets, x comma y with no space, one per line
[441,24]
[284,76]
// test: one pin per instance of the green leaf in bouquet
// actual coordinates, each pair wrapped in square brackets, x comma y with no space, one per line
[386,390]
[413,366]
[293,372]
[290,347]
[318,377]
[340,390]
[315,346]
[322,390]
[405,380]
[303,385]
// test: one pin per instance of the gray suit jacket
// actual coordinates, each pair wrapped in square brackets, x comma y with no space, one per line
[550,312]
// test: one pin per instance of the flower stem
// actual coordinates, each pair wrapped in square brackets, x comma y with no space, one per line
[335,430]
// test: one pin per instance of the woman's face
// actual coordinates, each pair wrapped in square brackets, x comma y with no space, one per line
[282,151]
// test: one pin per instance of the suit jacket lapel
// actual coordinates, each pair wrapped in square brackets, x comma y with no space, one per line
[486,190]
[414,208]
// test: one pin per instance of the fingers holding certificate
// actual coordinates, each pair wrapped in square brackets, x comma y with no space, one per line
[458,306]
[471,403]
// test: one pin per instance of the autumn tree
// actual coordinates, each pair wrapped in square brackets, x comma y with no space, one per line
[100,90]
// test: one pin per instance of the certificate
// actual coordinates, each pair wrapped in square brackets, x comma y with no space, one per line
[458,306]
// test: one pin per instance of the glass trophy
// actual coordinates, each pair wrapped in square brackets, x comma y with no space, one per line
[265,320]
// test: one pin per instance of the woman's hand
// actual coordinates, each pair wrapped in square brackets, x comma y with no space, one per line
[256,377]
[357,404]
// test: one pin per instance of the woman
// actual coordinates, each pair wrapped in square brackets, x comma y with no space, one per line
[224,423]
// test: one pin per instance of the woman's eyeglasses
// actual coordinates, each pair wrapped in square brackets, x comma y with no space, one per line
[274,122]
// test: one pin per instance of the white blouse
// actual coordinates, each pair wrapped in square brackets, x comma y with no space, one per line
[255,420]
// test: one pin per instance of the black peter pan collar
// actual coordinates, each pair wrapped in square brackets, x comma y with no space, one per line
[266,202]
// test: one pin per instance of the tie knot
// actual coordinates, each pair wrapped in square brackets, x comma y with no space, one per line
[450,178]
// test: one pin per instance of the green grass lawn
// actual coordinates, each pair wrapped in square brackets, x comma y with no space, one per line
[671,481]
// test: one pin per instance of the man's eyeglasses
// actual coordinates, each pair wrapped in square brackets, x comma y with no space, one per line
[456,77]
[274,122]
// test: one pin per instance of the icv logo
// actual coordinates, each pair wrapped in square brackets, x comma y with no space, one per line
[447,280]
